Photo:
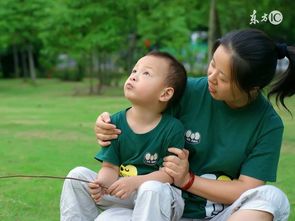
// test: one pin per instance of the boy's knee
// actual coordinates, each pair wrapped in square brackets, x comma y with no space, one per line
[154,186]
[150,197]
[155,189]
[77,172]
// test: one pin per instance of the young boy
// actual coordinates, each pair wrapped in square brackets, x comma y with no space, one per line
[156,81]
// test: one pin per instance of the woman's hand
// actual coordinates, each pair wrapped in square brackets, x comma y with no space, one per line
[104,130]
[177,166]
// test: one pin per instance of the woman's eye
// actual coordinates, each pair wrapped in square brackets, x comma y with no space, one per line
[223,80]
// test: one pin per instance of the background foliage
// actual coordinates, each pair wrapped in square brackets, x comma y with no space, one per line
[108,36]
[46,126]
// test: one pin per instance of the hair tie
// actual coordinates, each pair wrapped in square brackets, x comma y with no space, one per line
[281,50]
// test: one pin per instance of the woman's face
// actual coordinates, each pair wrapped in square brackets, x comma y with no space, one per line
[220,83]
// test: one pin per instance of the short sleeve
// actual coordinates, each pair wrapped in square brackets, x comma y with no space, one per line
[175,138]
[262,161]
[109,154]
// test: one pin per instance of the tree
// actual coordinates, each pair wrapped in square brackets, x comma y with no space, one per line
[87,31]
[214,27]
[157,22]
[19,28]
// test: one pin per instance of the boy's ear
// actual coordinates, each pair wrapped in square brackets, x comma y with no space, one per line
[166,94]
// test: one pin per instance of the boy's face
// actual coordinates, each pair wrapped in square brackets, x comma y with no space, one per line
[147,80]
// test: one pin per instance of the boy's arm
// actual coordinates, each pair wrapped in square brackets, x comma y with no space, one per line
[108,174]
[123,187]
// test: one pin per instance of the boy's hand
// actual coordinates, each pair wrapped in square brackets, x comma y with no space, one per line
[96,190]
[124,187]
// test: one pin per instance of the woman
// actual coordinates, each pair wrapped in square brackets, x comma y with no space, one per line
[233,134]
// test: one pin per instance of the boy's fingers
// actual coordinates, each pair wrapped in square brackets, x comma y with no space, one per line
[93,185]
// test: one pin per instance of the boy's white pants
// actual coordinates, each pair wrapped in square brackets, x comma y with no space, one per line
[152,201]
[155,201]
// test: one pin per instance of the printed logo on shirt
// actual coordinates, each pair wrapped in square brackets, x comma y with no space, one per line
[192,137]
[128,170]
[213,208]
[150,159]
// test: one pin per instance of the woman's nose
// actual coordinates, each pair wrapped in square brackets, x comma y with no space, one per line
[212,76]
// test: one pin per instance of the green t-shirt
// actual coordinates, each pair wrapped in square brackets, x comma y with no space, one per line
[225,143]
[139,154]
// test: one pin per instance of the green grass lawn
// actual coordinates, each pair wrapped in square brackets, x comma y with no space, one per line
[47,130]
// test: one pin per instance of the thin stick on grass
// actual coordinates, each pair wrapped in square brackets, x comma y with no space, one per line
[47,177]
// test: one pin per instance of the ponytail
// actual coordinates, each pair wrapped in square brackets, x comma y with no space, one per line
[284,85]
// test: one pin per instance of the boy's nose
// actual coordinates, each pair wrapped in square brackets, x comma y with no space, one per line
[134,77]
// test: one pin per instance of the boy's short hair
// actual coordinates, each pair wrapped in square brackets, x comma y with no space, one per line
[176,77]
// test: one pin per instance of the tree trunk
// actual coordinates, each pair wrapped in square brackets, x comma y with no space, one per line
[24,64]
[214,28]
[99,73]
[16,62]
[131,50]
[94,69]
[31,63]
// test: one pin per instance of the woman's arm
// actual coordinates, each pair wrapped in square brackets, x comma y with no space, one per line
[104,130]
[225,192]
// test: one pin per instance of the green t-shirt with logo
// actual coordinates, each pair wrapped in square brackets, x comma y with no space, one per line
[139,154]
[225,143]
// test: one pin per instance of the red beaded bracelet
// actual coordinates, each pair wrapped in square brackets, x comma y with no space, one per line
[190,182]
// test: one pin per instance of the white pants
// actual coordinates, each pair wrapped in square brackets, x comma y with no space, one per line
[264,198]
[152,201]
[155,201]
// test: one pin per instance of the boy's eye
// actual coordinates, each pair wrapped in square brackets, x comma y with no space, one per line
[146,73]
[133,71]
